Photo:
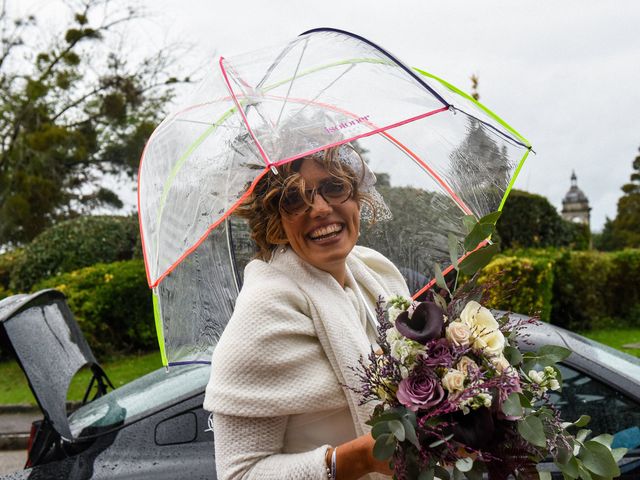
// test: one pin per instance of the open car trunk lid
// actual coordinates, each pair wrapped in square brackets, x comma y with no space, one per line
[50,348]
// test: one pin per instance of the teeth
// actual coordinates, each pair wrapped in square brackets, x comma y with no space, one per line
[326,230]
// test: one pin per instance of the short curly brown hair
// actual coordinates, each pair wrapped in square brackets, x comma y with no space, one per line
[262,207]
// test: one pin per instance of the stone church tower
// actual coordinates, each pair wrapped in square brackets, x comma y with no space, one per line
[575,205]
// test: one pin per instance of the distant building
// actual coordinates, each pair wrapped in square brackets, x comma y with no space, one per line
[575,205]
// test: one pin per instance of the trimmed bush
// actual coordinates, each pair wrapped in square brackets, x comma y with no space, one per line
[581,290]
[112,304]
[522,285]
[8,261]
[74,244]
[624,287]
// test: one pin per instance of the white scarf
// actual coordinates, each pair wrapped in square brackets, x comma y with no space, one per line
[295,337]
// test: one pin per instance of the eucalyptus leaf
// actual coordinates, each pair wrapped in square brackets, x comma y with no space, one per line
[453,250]
[544,475]
[478,259]
[380,428]
[525,401]
[512,407]
[532,430]
[397,428]
[584,473]
[384,447]
[410,432]
[491,218]
[597,458]
[564,455]
[570,468]
[582,435]
[441,473]
[513,355]
[428,474]
[480,232]
[618,453]
[477,472]
[464,464]
[440,278]
[469,221]
[551,354]
[605,439]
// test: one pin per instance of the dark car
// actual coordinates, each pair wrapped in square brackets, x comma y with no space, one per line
[155,427]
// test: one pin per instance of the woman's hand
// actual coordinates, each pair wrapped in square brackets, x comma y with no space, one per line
[355,459]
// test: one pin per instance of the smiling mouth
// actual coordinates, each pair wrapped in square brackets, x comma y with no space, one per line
[328,231]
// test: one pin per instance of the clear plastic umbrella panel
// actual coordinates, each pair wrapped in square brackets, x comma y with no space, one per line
[437,154]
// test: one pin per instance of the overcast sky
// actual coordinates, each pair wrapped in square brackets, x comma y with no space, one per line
[565,74]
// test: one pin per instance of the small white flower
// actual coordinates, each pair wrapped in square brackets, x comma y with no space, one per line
[554,384]
[536,377]
[393,314]
[484,399]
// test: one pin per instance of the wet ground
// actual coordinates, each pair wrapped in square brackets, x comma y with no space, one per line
[12,460]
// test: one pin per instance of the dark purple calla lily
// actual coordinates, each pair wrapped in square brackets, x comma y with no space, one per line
[424,324]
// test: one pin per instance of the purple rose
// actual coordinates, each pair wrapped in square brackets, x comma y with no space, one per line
[420,390]
[422,323]
[438,352]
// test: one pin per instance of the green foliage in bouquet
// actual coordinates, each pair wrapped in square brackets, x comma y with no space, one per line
[498,417]
[112,305]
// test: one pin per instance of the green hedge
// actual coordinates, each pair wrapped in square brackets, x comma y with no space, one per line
[112,304]
[522,285]
[74,244]
[579,290]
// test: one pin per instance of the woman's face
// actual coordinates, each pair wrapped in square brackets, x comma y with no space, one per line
[325,234]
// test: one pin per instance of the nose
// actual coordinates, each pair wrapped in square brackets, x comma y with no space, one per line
[319,207]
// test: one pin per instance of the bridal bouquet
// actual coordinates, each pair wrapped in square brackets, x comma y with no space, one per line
[456,397]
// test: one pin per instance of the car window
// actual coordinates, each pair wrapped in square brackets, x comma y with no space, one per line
[610,411]
[138,399]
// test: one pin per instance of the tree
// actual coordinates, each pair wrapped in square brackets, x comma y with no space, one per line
[624,230]
[529,220]
[70,112]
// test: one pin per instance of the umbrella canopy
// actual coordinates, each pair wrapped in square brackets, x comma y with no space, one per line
[437,154]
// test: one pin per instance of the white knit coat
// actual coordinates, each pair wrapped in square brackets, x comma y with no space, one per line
[292,343]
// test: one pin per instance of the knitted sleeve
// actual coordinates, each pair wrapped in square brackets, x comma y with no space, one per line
[251,449]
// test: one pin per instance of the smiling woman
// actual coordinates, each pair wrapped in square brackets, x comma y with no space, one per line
[305,309]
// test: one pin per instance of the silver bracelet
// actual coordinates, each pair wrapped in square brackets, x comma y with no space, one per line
[328,467]
[333,464]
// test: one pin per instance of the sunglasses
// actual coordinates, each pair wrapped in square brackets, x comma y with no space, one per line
[334,191]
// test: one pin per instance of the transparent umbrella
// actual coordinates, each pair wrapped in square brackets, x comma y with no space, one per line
[438,155]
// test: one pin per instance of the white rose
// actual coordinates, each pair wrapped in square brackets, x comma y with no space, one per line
[478,318]
[458,333]
[494,343]
[467,365]
[453,380]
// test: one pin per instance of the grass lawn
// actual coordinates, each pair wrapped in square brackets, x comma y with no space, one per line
[616,338]
[120,370]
